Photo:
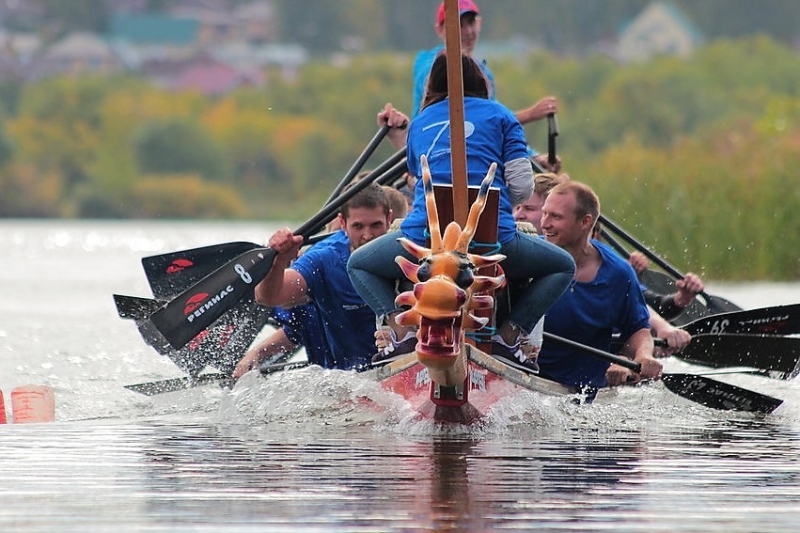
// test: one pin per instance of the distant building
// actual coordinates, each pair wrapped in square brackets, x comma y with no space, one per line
[660,29]
[78,54]
[145,37]
[211,46]
[214,25]
[213,78]
[256,22]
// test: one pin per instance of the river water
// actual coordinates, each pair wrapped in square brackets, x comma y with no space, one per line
[330,451]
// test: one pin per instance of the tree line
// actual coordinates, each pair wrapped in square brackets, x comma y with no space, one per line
[695,157]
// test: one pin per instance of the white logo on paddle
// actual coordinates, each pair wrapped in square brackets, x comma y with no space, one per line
[210,303]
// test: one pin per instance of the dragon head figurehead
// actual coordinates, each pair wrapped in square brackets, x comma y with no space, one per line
[446,284]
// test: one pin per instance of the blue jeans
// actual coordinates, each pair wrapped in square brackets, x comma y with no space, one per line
[374,274]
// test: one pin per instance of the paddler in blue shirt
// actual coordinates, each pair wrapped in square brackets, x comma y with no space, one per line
[320,276]
[604,296]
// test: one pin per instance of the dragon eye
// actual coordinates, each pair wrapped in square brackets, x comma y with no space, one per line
[424,270]
[465,276]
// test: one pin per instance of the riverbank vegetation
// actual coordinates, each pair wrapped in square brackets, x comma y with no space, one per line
[696,157]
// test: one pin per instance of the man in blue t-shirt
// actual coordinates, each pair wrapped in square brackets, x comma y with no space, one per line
[320,276]
[604,297]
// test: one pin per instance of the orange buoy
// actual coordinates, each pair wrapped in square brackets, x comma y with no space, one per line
[33,403]
[2,409]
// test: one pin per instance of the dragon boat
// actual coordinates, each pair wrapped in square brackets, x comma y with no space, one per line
[450,376]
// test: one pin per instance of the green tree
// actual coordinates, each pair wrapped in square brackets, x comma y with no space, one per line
[184,196]
[177,146]
[57,126]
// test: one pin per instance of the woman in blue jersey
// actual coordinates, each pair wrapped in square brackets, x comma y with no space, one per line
[493,135]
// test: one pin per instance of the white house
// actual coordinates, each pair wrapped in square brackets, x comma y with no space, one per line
[660,29]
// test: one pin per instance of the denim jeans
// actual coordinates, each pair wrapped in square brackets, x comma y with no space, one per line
[550,270]
[374,273]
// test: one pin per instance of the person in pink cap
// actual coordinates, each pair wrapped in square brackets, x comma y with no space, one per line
[471,22]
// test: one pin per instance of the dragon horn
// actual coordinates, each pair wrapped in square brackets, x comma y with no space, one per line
[430,203]
[475,211]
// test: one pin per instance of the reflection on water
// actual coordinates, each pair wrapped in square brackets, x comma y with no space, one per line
[331,451]
[166,475]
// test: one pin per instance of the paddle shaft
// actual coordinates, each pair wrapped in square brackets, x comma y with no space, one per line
[552,133]
[331,209]
[606,356]
[674,272]
[359,163]
[639,246]
[152,388]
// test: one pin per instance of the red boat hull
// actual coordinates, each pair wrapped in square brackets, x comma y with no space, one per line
[488,381]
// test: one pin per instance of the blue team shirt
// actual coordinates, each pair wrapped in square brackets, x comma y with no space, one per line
[348,321]
[589,313]
[493,135]
[303,326]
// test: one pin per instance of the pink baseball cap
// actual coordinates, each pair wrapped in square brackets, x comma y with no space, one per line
[464,6]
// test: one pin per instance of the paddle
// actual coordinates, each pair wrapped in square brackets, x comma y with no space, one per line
[172,273]
[764,352]
[778,355]
[700,389]
[220,345]
[186,267]
[152,388]
[552,133]
[772,320]
[189,313]
[714,304]
[661,283]
[359,163]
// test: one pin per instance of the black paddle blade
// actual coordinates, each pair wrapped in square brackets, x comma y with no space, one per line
[221,345]
[153,388]
[765,352]
[719,395]
[773,320]
[135,308]
[171,274]
[184,317]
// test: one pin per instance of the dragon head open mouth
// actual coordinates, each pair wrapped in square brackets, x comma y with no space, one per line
[446,286]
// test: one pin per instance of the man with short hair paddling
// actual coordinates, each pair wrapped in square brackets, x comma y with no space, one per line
[604,296]
[320,276]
